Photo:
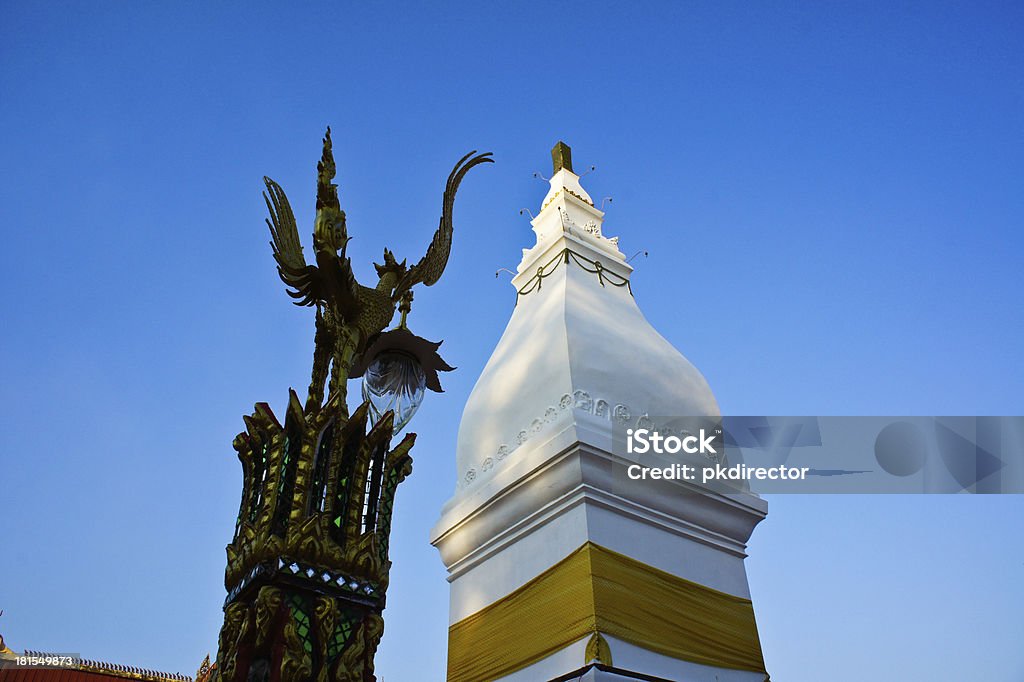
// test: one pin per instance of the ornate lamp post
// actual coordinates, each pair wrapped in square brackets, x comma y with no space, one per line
[307,569]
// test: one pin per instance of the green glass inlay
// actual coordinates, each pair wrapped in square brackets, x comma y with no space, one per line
[286,481]
[342,633]
[320,467]
[302,621]
[343,492]
[386,508]
[260,464]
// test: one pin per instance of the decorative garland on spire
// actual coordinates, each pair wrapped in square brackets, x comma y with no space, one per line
[604,276]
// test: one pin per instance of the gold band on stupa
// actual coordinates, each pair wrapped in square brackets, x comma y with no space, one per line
[597,590]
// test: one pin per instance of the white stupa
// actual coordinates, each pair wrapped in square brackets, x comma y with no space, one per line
[559,568]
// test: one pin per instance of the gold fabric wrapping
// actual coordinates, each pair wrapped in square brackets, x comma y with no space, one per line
[597,590]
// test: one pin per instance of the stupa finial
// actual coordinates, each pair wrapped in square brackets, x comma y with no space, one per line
[561,157]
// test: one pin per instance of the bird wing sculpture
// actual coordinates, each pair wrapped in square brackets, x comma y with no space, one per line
[331,280]
[304,281]
[429,269]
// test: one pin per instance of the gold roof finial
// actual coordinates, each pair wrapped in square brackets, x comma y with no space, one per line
[3,647]
[203,674]
[561,157]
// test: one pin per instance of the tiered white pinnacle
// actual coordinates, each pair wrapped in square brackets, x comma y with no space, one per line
[535,451]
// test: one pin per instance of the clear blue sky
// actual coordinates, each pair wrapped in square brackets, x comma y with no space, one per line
[831,197]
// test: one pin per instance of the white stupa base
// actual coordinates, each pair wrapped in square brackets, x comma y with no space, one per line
[535,512]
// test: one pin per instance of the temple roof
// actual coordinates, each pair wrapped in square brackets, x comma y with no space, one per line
[14,673]
[81,670]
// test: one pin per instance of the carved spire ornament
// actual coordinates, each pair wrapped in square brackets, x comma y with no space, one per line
[307,569]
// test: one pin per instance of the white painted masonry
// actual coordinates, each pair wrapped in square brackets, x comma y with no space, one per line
[538,473]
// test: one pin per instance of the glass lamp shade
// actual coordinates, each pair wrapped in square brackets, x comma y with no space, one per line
[394,381]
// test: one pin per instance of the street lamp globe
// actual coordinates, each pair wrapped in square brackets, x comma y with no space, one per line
[394,381]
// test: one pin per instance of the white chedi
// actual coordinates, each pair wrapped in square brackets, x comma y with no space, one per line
[577,352]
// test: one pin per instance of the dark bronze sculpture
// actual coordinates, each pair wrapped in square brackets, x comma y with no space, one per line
[307,570]
[348,313]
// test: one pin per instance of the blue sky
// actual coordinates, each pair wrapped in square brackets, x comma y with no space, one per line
[831,198]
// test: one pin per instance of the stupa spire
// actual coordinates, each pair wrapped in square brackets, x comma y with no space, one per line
[569,220]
